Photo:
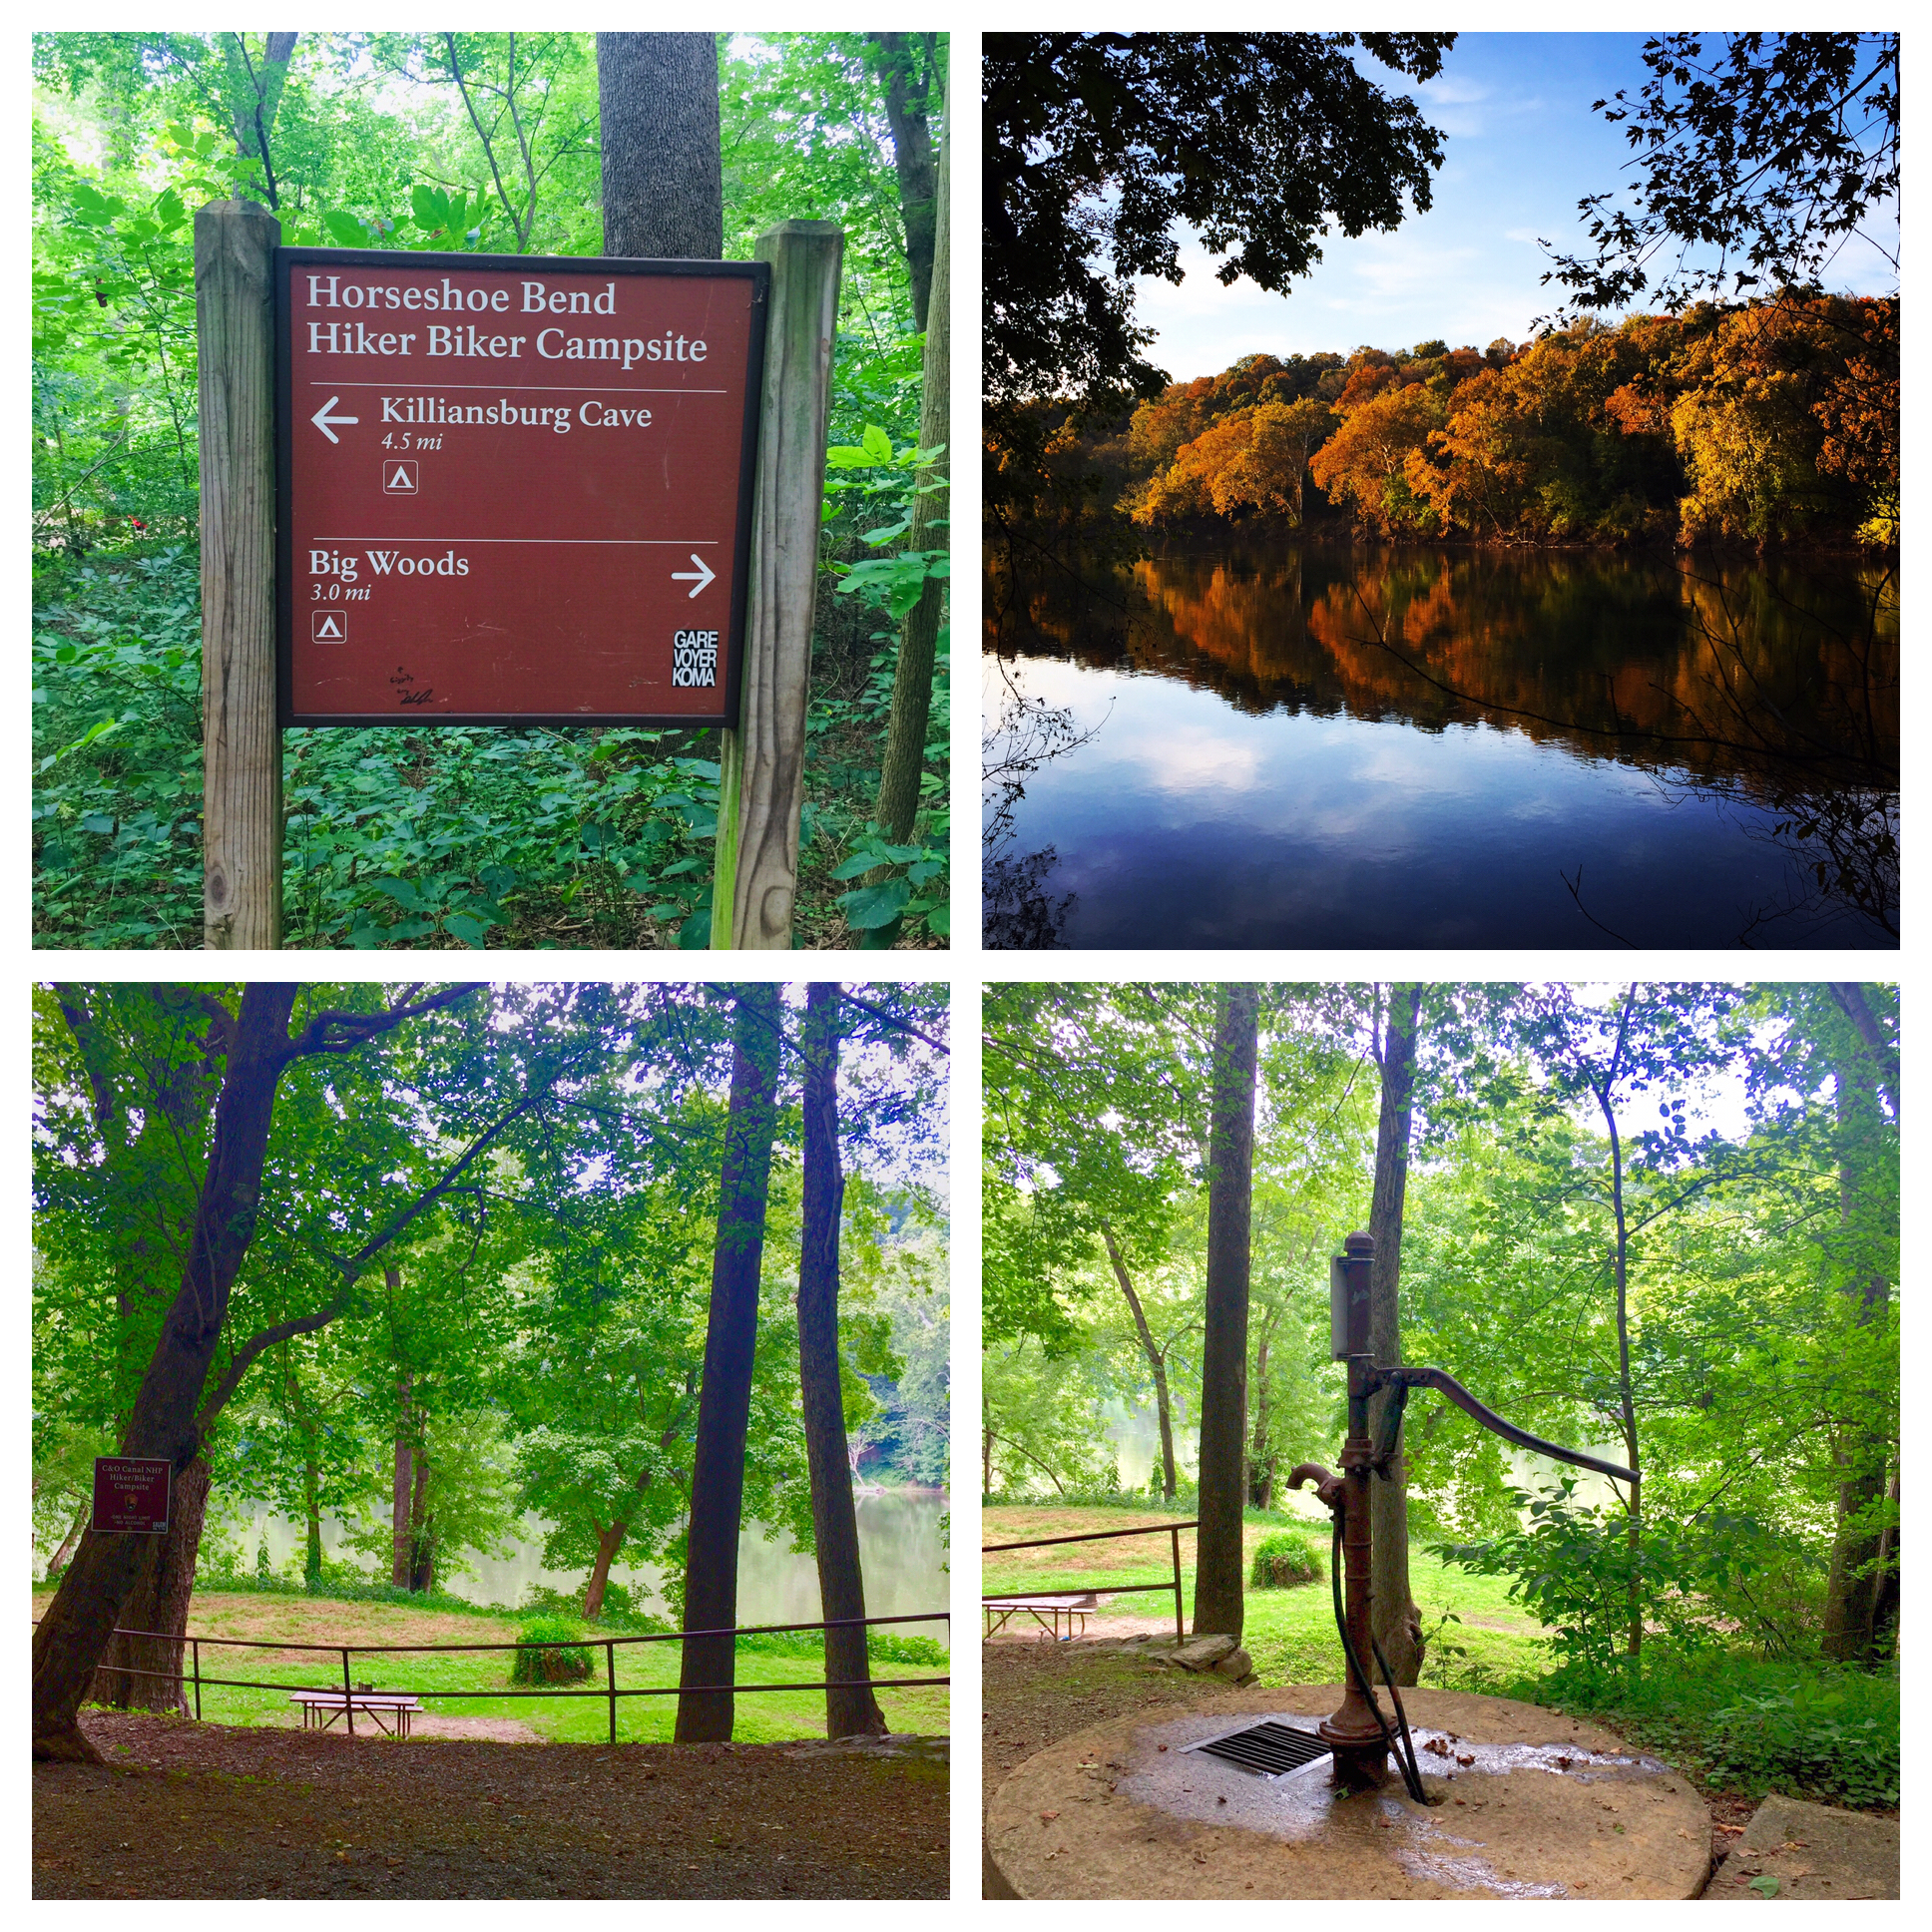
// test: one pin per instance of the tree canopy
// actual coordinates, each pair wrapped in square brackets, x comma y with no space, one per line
[1099,146]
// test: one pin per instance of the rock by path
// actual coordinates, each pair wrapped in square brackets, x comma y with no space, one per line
[1810,1851]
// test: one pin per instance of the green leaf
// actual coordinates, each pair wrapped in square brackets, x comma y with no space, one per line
[876,905]
[459,925]
[345,229]
[878,445]
[1764,1885]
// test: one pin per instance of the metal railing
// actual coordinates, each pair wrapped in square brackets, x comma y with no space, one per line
[609,1644]
[1172,1530]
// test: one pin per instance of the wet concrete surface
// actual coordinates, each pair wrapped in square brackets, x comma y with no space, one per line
[1526,1804]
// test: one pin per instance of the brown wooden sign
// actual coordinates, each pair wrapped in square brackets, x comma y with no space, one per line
[131,1495]
[512,489]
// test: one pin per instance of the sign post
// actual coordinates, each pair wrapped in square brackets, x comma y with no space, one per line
[444,489]
[234,244]
[131,1495]
[762,770]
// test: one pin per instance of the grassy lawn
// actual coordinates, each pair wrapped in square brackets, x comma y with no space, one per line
[1290,1633]
[483,1676]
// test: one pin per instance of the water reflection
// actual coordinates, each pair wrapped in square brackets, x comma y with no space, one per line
[1627,735]
[900,1547]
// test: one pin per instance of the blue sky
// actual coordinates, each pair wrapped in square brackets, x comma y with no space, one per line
[1521,148]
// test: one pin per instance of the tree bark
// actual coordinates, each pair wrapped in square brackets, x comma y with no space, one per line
[1218,1605]
[921,208]
[73,1636]
[1157,1362]
[905,744]
[1261,1460]
[608,1544]
[725,1398]
[312,1517]
[663,169]
[159,1602]
[1863,1075]
[1633,1504]
[422,1527]
[61,1557]
[402,1482]
[1395,1618]
[854,1710]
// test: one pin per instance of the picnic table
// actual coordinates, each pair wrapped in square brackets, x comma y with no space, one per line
[1045,1610]
[321,1709]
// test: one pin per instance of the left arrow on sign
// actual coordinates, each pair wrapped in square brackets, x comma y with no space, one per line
[322,419]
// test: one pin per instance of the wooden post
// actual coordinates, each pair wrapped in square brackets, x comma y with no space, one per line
[762,764]
[610,1679]
[240,739]
[348,1693]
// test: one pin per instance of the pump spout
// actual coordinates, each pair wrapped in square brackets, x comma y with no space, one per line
[1444,1383]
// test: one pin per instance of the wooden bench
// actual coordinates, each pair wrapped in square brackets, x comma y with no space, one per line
[321,1709]
[1045,1610]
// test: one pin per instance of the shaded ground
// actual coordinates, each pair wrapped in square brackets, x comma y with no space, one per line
[185,1811]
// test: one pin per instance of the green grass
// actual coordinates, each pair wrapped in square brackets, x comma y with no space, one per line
[481,1679]
[1290,1633]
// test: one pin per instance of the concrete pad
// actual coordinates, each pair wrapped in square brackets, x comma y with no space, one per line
[1813,1851]
[1547,1807]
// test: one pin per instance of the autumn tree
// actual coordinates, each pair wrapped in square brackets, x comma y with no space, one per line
[1369,458]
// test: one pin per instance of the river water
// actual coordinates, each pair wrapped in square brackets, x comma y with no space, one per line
[899,1548]
[1344,745]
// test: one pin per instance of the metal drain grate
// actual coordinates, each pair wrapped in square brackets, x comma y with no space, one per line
[1267,1748]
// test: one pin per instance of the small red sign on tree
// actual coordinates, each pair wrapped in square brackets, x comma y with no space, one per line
[131,1495]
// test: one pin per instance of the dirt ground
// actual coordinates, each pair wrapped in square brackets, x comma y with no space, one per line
[185,1810]
[1034,1692]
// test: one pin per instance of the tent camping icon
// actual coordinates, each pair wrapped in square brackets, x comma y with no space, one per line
[399,479]
[330,627]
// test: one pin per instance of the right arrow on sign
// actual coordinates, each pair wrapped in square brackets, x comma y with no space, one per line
[697,578]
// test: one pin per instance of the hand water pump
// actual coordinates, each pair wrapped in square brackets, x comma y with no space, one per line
[1357,1733]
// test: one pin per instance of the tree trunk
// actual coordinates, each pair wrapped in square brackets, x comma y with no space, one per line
[1633,1504]
[422,1529]
[1155,1362]
[1853,1589]
[1394,1618]
[1224,1356]
[907,102]
[725,1398]
[985,1462]
[663,176]
[159,1602]
[608,1543]
[1261,1464]
[854,1710]
[73,1635]
[64,1555]
[404,1480]
[312,1514]
[905,745]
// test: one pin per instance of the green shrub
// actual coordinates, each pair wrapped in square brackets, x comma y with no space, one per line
[1286,1559]
[551,1665]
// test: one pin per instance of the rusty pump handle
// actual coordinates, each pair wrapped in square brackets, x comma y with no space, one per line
[1446,1385]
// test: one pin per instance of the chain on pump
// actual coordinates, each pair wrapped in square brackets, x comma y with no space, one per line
[1358,1733]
